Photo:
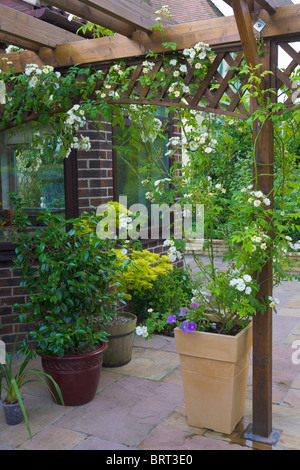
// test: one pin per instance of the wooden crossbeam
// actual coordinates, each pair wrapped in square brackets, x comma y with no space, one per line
[22,43]
[244,24]
[17,24]
[268,5]
[136,13]
[76,7]
[218,32]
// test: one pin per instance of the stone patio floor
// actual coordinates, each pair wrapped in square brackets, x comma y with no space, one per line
[140,406]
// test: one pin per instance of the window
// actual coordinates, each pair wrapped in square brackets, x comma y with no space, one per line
[40,185]
[129,162]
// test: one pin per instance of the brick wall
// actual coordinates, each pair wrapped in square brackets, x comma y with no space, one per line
[95,169]
[95,187]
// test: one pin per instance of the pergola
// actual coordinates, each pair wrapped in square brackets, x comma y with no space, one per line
[279,25]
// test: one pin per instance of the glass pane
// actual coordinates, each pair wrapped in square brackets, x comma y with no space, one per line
[39,185]
[129,174]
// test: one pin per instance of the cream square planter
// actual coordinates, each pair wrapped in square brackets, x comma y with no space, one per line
[214,373]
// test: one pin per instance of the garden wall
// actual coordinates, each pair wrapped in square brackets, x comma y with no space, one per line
[95,182]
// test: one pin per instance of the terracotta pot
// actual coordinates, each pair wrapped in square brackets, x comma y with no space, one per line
[120,341]
[215,374]
[77,376]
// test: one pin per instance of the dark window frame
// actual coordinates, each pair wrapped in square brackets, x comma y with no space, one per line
[7,249]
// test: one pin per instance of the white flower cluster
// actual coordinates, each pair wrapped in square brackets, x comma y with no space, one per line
[241,283]
[200,296]
[83,143]
[219,187]
[197,54]
[13,48]
[294,246]
[178,88]
[158,187]
[108,91]
[22,163]
[76,117]
[273,301]
[125,222]
[147,66]
[164,13]
[142,331]
[158,182]
[173,253]
[34,71]
[199,51]
[261,240]
[257,197]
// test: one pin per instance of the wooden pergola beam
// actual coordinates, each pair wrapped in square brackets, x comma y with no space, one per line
[217,32]
[88,13]
[268,5]
[19,25]
[246,32]
[136,13]
[22,43]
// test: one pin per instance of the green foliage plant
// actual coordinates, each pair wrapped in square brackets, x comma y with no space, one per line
[254,228]
[143,269]
[169,293]
[67,273]
[15,375]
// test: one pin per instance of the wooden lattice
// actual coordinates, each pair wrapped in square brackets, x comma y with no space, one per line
[288,90]
[219,92]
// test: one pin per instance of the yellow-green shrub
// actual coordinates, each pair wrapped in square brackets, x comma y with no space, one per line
[143,269]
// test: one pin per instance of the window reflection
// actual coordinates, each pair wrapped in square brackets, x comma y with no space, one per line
[40,185]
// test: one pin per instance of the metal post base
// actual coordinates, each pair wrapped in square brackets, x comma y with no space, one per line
[271,440]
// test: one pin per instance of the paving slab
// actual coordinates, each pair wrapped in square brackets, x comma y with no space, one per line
[41,412]
[125,411]
[148,363]
[53,438]
[165,437]
[289,312]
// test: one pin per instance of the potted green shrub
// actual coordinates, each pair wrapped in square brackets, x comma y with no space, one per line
[142,269]
[67,273]
[12,380]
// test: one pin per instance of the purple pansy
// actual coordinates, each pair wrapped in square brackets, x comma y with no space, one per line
[188,326]
[171,319]
[184,326]
[194,305]
[192,326]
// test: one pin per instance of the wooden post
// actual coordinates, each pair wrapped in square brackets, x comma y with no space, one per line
[262,324]
[261,428]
